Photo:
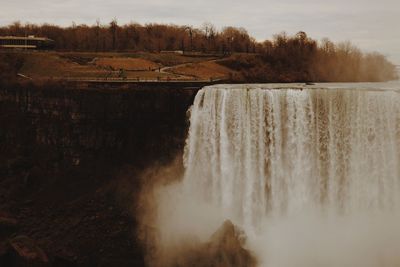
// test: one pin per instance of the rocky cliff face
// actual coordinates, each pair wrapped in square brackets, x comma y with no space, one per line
[76,125]
[62,150]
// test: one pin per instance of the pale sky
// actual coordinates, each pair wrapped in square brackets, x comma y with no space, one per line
[372,25]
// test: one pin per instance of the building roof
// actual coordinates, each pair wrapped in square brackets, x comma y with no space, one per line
[24,38]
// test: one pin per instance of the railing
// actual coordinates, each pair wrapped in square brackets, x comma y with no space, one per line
[136,80]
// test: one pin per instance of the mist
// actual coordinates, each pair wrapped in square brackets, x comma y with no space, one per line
[306,177]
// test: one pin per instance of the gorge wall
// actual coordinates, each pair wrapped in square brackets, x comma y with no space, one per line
[71,157]
[75,124]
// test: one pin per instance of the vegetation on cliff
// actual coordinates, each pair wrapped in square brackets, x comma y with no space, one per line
[300,59]
[150,37]
[285,58]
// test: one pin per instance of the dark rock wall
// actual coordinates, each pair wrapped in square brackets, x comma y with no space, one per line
[71,157]
[71,125]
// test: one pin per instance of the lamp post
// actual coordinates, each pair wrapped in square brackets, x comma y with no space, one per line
[191,36]
[26,41]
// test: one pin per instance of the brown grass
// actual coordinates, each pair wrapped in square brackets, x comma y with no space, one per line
[204,70]
[40,65]
[44,65]
[130,64]
[170,59]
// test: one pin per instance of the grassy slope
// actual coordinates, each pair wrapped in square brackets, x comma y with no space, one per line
[204,70]
[136,65]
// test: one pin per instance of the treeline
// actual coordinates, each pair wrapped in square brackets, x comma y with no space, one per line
[137,37]
[299,58]
[285,58]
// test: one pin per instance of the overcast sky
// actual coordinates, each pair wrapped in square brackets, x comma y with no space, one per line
[373,25]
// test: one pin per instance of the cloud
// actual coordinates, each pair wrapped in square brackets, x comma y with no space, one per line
[369,24]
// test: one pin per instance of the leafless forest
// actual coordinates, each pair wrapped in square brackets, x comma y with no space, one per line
[285,58]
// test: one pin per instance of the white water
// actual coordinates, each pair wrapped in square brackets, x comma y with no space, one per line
[311,175]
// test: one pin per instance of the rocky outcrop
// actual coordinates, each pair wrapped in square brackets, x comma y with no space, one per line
[224,249]
[25,252]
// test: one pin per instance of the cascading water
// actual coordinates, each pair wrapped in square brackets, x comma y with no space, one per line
[266,157]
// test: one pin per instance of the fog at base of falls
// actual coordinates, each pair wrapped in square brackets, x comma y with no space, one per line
[310,175]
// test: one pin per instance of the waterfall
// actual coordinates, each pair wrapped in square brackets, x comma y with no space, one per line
[259,153]
[310,174]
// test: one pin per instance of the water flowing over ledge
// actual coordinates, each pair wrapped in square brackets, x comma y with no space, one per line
[257,151]
[310,173]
